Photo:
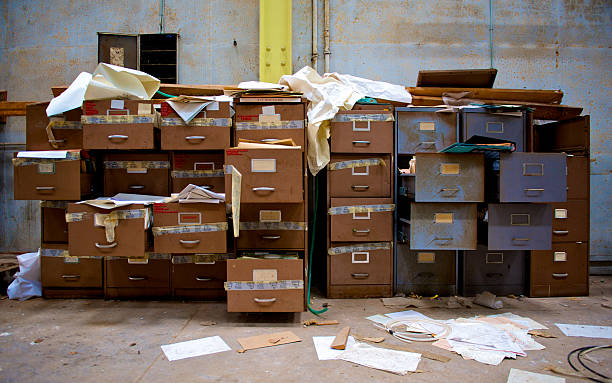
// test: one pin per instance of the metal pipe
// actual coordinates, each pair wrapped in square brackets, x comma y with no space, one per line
[326,51]
[491,30]
[315,32]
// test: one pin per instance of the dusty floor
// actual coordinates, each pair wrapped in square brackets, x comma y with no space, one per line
[112,341]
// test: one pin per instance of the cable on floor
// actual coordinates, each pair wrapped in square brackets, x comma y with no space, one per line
[418,327]
[585,350]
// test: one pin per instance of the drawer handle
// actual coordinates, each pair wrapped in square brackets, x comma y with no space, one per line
[360,275]
[195,138]
[202,279]
[210,187]
[57,141]
[264,300]
[356,231]
[264,189]
[429,143]
[453,190]
[521,240]
[269,139]
[45,188]
[189,242]
[527,190]
[560,275]
[136,187]
[270,237]
[71,276]
[425,274]
[361,142]
[561,232]
[117,137]
[493,275]
[136,278]
[360,187]
[106,246]
[447,239]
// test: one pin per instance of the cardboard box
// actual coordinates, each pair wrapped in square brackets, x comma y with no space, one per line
[189,228]
[53,178]
[58,132]
[199,276]
[362,131]
[272,226]
[86,238]
[201,169]
[144,277]
[264,300]
[266,122]
[119,124]
[268,175]
[136,173]
[208,130]
[53,226]
[369,226]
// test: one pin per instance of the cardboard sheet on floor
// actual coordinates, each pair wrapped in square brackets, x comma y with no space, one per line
[268,340]
[323,347]
[196,347]
[521,376]
[586,331]
[397,362]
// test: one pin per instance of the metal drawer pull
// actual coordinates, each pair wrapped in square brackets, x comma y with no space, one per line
[106,246]
[194,138]
[425,275]
[117,136]
[264,188]
[136,187]
[269,139]
[534,189]
[491,275]
[200,279]
[71,276]
[136,278]
[443,239]
[453,190]
[360,187]
[44,188]
[366,231]
[564,275]
[187,242]
[361,142]
[270,236]
[57,141]
[430,143]
[561,232]
[360,275]
[264,300]
[521,239]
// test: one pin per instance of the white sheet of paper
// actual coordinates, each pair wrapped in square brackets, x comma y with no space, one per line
[407,314]
[117,104]
[188,110]
[43,154]
[586,331]
[520,376]
[379,318]
[323,347]
[72,97]
[397,362]
[527,322]
[196,347]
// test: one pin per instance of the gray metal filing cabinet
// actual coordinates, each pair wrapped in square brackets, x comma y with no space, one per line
[443,177]
[519,226]
[425,129]
[500,272]
[426,272]
[510,126]
[443,226]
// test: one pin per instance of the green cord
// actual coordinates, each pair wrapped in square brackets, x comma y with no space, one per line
[312,243]
[165,94]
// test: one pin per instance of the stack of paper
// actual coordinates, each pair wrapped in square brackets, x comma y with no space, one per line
[197,194]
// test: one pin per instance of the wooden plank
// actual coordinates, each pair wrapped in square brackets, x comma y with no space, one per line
[13,108]
[521,95]
[474,78]
[341,338]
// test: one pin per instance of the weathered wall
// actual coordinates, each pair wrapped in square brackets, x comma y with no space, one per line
[551,44]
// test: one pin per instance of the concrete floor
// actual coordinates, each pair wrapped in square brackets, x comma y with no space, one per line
[112,341]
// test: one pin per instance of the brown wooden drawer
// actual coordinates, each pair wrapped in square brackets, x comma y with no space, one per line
[58,271]
[443,226]
[362,227]
[362,131]
[289,300]
[362,181]
[53,224]
[425,272]
[570,221]
[268,175]
[198,275]
[288,123]
[136,174]
[124,273]
[272,226]
[372,267]
[201,169]
[577,177]
[443,177]
[564,270]
[67,129]
[195,137]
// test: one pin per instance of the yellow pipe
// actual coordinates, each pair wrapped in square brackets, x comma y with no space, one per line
[274,39]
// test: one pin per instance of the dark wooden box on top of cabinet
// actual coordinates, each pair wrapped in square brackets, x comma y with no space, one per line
[519,226]
[268,175]
[199,276]
[136,173]
[443,177]
[62,131]
[120,124]
[500,272]
[265,122]
[53,226]
[359,175]
[208,130]
[368,226]
[425,129]
[147,276]
[60,176]
[272,226]
[201,169]
[511,126]
[362,131]
[443,226]
[425,272]
[65,276]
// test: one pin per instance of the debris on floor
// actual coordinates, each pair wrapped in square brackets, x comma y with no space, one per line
[317,322]
[341,338]
[370,339]
[586,331]
[196,347]
[208,323]
[489,300]
[323,347]
[521,376]
[397,362]
[268,340]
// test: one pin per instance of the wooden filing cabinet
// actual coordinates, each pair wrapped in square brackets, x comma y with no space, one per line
[265,122]
[272,226]
[371,226]
[347,179]
[65,276]
[358,131]
[53,133]
[198,276]
[136,173]
[203,169]
[562,271]
[135,278]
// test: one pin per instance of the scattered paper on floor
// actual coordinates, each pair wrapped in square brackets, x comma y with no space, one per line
[586,331]
[323,347]
[196,347]
[529,323]
[397,362]
[408,314]
[520,376]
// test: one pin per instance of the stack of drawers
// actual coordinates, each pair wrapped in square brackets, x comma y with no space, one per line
[360,203]
[564,269]
[271,246]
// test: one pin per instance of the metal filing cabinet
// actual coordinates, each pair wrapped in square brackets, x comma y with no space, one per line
[443,226]
[504,126]
[442,177]
[500,272]
[425,129]
[562,271]
[426,272]
[519,226]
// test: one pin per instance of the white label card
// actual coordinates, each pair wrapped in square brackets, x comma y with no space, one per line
[265,275]
[117,104]
[560,213]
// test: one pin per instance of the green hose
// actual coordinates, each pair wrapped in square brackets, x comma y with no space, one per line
[165,94]
[312,243]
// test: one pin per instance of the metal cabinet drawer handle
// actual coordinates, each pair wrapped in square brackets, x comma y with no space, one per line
[425,274]
[57,141]
[264,189]
[534,189]
[45,188]
[521,239]
[268,139]
[360,275]
[454,190]
[71,276]
[136,187]
[357,142]
[195,138]
[561,232]
[106,246]
[264,300]
[443,239]
[210,187]
[117,136]
[189,242]
[563,275]
[202,279]
[360,187]
[492,275]
[270,237]
[430,143]
[136,278]
[366,231]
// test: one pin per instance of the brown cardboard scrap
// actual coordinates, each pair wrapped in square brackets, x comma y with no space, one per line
[541,333]
[267,340]
[424,354]
[317,322]
[565,372]
[339,342]
[368,338]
